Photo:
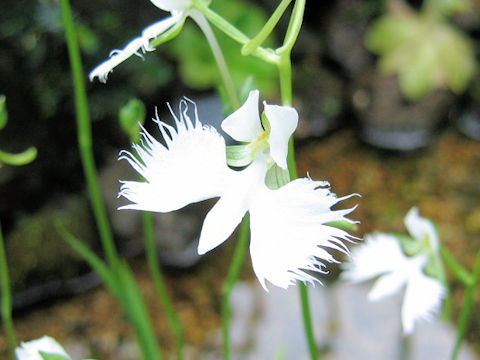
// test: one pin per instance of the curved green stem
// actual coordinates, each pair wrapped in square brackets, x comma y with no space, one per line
[268,55]
[218,55]
[159,284]
[267,29]
[241,250]
[466,311]
[6,299]
[84,132]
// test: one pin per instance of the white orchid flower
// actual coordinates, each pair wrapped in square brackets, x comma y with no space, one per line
[245,125]
[289,227]
[179,11]
[30,350]
[382,255]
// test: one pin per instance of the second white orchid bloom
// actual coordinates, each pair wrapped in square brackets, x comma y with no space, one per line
[31,350]
[290,235]
[400,261]
[179,11]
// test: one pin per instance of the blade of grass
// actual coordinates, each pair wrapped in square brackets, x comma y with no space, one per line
[160,286]
[6,299]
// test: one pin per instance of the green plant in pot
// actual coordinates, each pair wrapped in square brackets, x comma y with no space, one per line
[424,62]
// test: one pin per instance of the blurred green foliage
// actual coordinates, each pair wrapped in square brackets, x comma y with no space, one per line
[423,49]
[196,64]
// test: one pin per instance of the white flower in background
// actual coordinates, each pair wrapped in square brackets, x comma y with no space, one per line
[179,10]
[402,262]
[289,227]
[30,350]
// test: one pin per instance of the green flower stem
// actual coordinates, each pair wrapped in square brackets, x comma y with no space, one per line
[218,55]
[6,299]
[259,39]
[268,55]
[241,250]
[160,286]
[124,283]
[285,74]
[293,29]
[307,321]
[466,311]
[85,136]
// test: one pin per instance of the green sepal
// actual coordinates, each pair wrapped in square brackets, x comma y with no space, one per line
[167,35]
[276,177]
[130,116]
[3,111]
[344,225]
[239,155]
[434,267]
[410,247]
[49,356]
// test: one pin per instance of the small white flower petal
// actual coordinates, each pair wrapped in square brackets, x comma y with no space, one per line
[30,350]
[227,213]
[388,285]
[283,122]
[380,253]
[244,124]
[289,235]
[423,298]
[221,221]
[171,5]
[190,167]
[420,227]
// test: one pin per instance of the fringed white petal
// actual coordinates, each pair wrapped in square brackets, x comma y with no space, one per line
[171,5]
[283,122]
[289,235]
[420,227]
[190,167]
[29,350]
[378,254]
[244,124]
[423,298]
[135,46]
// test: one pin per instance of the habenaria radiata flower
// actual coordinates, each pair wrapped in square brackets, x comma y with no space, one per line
[30,350]
[168,27]
[290,235]
[400,261]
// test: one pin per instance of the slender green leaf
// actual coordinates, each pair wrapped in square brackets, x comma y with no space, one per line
[3,111]
[457,269]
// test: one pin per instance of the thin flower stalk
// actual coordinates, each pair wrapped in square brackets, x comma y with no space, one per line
[284,66]
[84,133]
[467,308]
[6,299]
[128,297]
